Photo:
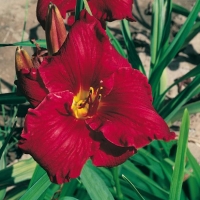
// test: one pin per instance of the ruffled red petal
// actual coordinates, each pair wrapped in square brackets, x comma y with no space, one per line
[108,154]
[57,141]
[126,116]
[102,10]
[85,58]
[110,10]
[31,85]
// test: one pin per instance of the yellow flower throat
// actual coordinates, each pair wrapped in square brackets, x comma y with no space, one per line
[86,103]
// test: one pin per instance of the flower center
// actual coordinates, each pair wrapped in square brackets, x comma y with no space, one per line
[85,103]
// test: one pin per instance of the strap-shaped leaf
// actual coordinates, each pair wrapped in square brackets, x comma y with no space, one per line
[195,166]
[115,43]
[11,98]
[94,185]
[132,53]
[42,44]
[173,48]
[37,189]
[177,177]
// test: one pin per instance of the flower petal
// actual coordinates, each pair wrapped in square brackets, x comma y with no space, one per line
[110,10]
[30,84]
[85,58]
[63,6]
[108,154]
[56,140]
[126,116]
[102,10]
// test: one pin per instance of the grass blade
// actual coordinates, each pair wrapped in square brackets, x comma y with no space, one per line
[11,98]
[42,44]
[132,54]
[39,172]
[115,43]
[190,74]
[195,166]
[173,48]
[37,189]
[79,7]
[139,195]
[192,109]
[177,177]
[8,138]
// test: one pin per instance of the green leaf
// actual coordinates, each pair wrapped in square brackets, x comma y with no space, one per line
[160,29]
[178,174]
[173,48]
[181,10]
[68,189]
[18,172]
[11,98]
[132,53]
[194,31]
[191,73]
[8,138]
[42,44]
[68,198]
[163,82]
[192,109]
[37,189]
[142,181]
[173,106]
[195,166]
[2,165]
[52,191]
[115,43]
[94,185]
[79,7]
[158,20]
[137,192]
[38,173]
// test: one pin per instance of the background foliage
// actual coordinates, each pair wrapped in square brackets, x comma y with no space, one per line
[159,171]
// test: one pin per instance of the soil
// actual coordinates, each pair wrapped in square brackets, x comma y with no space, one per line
[12,15]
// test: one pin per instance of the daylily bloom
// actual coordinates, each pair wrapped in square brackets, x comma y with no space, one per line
[108,10]
[98,107]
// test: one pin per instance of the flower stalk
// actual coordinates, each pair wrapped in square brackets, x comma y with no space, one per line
[117,183]
[79,7]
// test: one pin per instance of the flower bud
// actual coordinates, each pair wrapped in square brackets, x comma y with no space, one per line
[54,29]
[22,59]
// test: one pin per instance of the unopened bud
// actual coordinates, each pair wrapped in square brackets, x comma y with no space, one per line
[54,29]
[22,59]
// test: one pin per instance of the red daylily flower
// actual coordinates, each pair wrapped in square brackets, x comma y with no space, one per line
[108,10]
[98,107]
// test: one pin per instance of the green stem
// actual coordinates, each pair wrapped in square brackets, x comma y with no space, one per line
[79,7]
[117,183]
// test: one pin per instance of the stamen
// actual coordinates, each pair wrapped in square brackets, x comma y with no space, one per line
[91,90]
[87,107]
[99,97]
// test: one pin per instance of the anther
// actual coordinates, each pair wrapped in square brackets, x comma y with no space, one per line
[91,91]
[99,97]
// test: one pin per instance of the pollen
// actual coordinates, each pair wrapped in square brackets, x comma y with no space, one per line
[86,103]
